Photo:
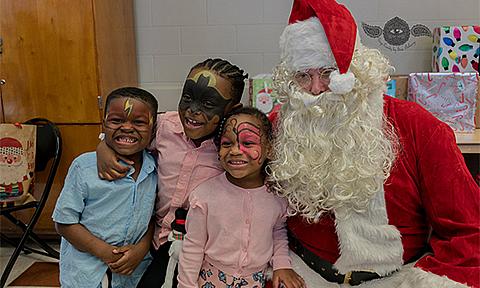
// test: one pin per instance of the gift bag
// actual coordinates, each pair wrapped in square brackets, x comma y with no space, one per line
[17,161]
[451,97]
[456,49]
[262,95]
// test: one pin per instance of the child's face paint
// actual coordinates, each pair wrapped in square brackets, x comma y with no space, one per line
[128,125]
[206,97]
[243,150]
[127,107]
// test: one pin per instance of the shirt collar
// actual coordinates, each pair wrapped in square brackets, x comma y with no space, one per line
[177,126]
[148,164]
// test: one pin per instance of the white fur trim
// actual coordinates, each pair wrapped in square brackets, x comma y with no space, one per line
[407,277]
[341,83]
[412,277]
[366,240]
[304,45]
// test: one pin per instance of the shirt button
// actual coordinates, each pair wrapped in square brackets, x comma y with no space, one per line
[247,221]
[244,249]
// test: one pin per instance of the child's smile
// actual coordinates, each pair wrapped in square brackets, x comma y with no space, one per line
[205,98]
[125,140]
[243,150]
[128,125]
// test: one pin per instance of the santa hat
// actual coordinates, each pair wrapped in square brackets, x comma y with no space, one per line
[10,146]
[321,33]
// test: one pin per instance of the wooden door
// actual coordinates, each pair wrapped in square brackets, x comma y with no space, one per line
[58,56]
[48,61]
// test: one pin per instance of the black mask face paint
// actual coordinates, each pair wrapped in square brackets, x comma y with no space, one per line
[203,104]
[201,95]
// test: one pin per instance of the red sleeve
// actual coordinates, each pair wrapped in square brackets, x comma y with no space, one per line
[451,200]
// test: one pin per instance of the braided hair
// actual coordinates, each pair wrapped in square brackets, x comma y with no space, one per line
[228,71]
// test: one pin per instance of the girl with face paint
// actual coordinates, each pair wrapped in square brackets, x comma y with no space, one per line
[235,227]
[187,156]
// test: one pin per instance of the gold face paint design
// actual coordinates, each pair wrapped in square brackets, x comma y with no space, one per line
[206,97]
[128,107]
[212,81]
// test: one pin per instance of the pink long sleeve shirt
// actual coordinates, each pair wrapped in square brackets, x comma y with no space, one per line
[181,168]
[239,231]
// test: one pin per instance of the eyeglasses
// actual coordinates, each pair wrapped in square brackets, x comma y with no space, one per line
[304,78]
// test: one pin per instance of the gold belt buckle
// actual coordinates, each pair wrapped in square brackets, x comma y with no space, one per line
[348,277]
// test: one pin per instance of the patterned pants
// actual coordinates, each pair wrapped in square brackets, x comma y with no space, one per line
[211,277]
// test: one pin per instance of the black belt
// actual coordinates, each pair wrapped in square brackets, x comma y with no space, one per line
[326,269]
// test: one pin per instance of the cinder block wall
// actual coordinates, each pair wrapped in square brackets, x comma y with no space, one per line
[173,35]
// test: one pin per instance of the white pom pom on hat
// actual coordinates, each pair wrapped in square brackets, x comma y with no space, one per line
[341,83]
[321,33]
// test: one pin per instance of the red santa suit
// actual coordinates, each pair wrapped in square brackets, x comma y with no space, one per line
[430,201]
[430,208]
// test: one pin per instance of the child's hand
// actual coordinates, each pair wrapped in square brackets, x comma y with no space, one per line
[107,163]
[131,256]
[107,256]
[287,277]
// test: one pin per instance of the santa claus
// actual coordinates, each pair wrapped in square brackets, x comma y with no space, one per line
[380,193]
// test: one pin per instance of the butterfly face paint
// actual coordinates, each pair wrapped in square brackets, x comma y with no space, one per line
[205,99]
[243,151]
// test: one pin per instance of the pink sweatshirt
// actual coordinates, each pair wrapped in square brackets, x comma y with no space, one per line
[237,230]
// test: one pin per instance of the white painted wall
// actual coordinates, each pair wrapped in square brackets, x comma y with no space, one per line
[173,35]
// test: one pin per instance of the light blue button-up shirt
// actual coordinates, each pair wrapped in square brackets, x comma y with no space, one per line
[117,212]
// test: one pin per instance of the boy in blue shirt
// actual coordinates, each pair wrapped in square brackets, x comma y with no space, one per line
[105,225]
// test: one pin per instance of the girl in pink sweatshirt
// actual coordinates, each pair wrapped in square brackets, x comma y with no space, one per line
[235,227]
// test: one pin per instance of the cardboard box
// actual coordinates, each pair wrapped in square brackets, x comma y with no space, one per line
[451,97]
[456,49]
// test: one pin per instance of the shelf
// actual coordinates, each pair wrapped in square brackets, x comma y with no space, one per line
[469,142]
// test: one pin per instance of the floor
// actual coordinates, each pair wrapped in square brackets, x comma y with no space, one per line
[23,262]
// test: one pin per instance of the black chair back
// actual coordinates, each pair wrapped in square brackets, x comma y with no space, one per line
[49,145]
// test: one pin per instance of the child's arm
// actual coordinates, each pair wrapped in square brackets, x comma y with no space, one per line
[191,257]
[68,212]
[85,241]
[108,165]
[281,261]
[132,255]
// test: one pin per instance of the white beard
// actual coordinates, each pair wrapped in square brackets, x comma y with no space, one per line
[334,153]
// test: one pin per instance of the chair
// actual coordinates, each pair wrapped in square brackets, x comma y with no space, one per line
[48,147]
